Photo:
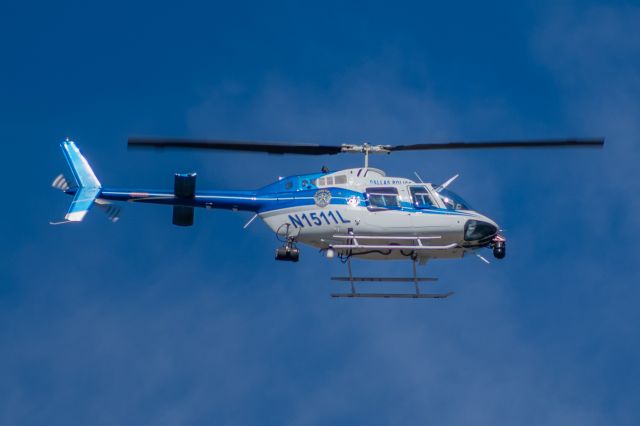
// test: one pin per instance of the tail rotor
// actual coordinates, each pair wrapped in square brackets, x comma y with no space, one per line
[111,210]
[60,182]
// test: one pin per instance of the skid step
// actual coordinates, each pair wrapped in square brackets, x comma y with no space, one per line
[385,279]
[394,295]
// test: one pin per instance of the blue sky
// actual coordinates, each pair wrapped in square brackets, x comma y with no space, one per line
[141,322]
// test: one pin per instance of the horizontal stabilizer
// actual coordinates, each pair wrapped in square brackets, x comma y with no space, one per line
[185,185]
[182,215]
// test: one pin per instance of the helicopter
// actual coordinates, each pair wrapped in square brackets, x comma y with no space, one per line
[356,213]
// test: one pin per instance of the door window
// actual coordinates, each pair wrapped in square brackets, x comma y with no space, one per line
[383,198]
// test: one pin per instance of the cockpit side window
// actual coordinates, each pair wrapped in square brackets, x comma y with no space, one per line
[383,198]
[421,198]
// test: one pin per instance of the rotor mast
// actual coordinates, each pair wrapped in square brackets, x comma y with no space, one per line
[366,149]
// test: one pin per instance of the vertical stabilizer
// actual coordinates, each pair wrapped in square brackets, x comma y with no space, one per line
[79,166]
[88,184]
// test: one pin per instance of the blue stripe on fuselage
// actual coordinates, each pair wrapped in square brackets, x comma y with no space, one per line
[255,201]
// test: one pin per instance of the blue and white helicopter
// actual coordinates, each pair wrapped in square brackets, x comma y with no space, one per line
[353,213]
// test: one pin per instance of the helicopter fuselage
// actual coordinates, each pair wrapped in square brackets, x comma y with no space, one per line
[314,208]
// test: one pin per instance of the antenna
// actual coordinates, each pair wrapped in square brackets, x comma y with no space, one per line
[418,176]
[447,183]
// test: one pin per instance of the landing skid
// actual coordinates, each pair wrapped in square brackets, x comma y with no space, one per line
[394,295]
[414,279]
[385,279]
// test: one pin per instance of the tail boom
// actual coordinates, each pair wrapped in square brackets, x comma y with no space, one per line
[229,200]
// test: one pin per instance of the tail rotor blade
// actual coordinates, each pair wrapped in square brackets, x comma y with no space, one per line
[111,210]
[60,182]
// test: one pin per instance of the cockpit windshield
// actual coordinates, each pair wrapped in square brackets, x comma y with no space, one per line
[453,201]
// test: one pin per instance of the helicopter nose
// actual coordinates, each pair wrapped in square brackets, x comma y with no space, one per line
[478,230]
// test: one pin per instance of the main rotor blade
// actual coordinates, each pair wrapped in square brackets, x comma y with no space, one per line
[227,145]
[543,143]
[317,149]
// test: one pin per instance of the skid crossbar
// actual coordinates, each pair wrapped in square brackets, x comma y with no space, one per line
[391,247]
[378,237]
[353,243]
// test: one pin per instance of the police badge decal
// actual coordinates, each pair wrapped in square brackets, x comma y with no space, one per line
[322,198]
